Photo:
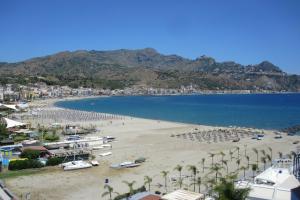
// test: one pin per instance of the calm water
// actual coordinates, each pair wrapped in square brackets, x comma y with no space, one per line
[272,111]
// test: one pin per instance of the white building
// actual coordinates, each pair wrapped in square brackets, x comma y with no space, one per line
[275,183]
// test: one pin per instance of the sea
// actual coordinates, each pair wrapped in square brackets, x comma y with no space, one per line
[267,111]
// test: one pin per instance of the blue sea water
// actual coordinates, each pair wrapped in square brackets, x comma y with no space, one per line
[270,111]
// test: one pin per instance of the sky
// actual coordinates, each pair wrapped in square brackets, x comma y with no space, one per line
[244,31]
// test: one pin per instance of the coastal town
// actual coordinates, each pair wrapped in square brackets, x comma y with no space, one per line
[40,90]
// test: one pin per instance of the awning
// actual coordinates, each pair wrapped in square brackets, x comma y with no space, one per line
[12,123]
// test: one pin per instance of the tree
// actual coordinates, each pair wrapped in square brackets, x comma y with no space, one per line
[280,154]
[179,169]
[199,182]
[269,158]
[193,170]
[3,132]
[130,186]
[254,169]
[271,152]
[256,152]
[109,191]
[212,155]
[264,161]
[244,171]
[238,152]
[226,190]
[231,154]
[216,169]
[248,160]
[148,181]
[225,162]
[203,164]
[222,156]
[238,162]
[165,176]
[263,152]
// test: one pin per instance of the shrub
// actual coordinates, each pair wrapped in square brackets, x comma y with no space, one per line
[54,161]
[30,154]
[24,164]
[138,190]
[51,137]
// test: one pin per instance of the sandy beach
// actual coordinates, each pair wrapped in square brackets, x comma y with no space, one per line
[136,137]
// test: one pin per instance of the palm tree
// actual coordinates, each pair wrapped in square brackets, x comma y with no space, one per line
[227,190]
[216,169]
[271,152]
[280,154]
[264,161]
[130,186]
[263,152]
[193,170]
[226,164]
[269,158]
[179,169]
[248,160]
[222,156]
[256,152]
[212,155]
[199,182]
[238,162]
[244,170]
[109,191]
[245,147]
[254,169]
[230,153]
[203,162]
[148,181]
[238,152]
[165,176]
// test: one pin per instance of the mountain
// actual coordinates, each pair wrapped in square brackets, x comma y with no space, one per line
[145,67]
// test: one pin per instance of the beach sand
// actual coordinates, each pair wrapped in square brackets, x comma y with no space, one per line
[139,138]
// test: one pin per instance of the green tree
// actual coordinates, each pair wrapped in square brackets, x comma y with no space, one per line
[199,182]
[238,152]
[179,169]
[264,161]
[244,171]
[216,168]
[148,181]
[226,190]
[3,132]
[130,186]
[231,154]
[203,164]
[222,156]
[271,153]
[225,162]
[193,170]
[280,154]
[238,162]
[212,155]
[248,161]
[109,191]
[165,176]
[256,152]
[254,169]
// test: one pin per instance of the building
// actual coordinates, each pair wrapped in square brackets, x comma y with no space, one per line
[183,195]
[275,183]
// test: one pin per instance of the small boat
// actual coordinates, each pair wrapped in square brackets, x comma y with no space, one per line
[78,164]
[106,145]
[94,162]
[126,164]
[98,147]
[105,154]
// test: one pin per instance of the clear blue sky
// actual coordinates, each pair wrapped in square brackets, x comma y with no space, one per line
[245,31]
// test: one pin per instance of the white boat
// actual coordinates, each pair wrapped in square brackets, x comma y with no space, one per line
[94,162]
[78,164]
[126,164]
[98,147]
[105,154]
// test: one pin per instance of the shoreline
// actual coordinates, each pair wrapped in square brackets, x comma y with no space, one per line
[57,100]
